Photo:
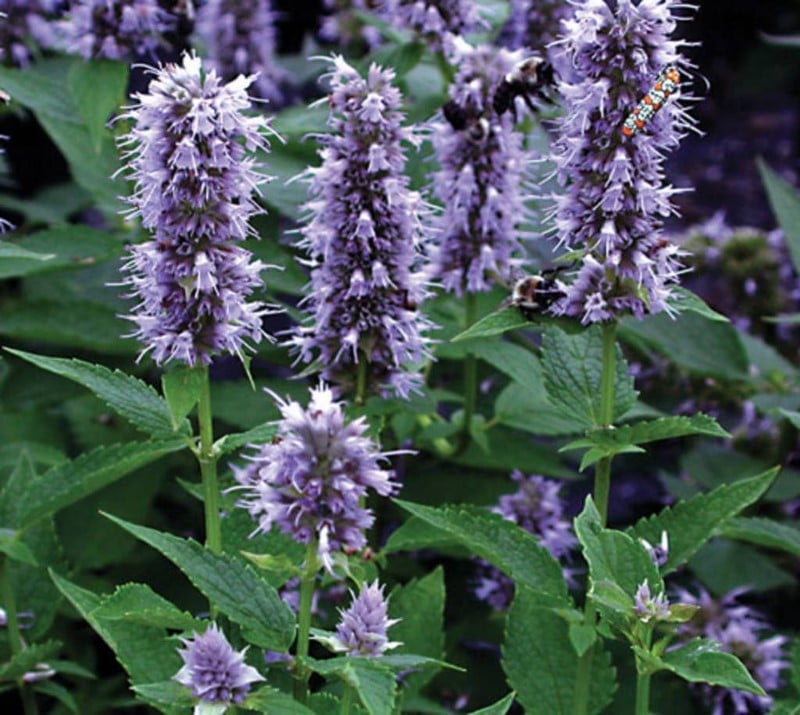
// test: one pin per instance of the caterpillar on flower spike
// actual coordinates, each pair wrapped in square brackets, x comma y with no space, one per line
[666,84]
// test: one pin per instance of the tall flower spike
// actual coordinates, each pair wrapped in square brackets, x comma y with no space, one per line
[310,481]
[535,507]
[434,20]
[739,630]
[24,23]
[482,175]
[213,670]
[189,157]
[239,38]
[534,23]
[116,29]
[362,627]
[363,237]
[616,197]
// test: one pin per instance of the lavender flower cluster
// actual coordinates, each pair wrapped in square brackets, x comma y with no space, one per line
[363,625]
[482,176]
[116,30]
[616,197]
[311,480]
[537,508]
[534,23]
[194,179]
[739,630]
[25,24]
[434,20]
[239,38]
[362,238]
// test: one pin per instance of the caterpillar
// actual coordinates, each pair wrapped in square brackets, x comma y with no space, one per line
[666,84]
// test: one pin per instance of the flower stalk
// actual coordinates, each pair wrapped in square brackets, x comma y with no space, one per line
[208,466]
[307,583]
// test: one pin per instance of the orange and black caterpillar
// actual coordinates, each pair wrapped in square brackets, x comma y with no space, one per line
[666,84]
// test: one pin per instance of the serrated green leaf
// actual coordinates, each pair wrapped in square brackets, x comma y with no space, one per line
[582,636]
[690,523]
[138,603]
[503,544]
[167,692]
[692,302]
[612,596]
[515,361]
[541,664]
[98,88]
[66,483]
[531,411]
[785,205]
[501,707]
[232,586]
[27,660]
[416,534]
[375,684]
[128,396]
[704,347]
[604,443]
[495,323]
[764,532]
[11,546]
[273,702]
[182,387]
[701,661]
[572,366]
[258,435]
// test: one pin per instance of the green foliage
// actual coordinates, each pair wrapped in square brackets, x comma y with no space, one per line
[572,366]
[182,387]
[786,206]
[229,584]
[273,702]
[374,682]
[496,323]
[764,532]
[501,707]
[98,88]
[692,522]
[541,664]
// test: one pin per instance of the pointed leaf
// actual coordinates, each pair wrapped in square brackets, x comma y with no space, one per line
[128,396]
[258,435]
[785,202]
[501,707]
[138,603]
[28,659]
[500,542]
[573,366]
[694,303]
[764,532]
[690,523]
[541,664]
[11,546]
[375,684]
[232,586]
[182,387]
[495,323]
[274,702]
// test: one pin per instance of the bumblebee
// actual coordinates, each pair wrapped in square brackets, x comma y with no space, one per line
[532,295]
[531,78]
[474,126]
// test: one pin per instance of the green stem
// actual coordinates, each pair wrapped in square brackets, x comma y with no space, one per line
[470,375]
[361,379]
[15,634]
[602,487]
[347,701]
[208,467]
[307,584]
[643,676]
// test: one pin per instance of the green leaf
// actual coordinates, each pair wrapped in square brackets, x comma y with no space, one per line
[530,411]
[27,660]
[258,435]
[690,523]
[501,707]
[167,692]
[604,443]
[67,483]
[401,58]
[614,556]
[128,396]
[375,683]
[704,347]
[692,302]
[495,323]
[541,664]
[701,661]
[57,249]
[273,702]
[11,546]
[98,88]
[229,584]
[503,544]
[182,387]
[138,603]
[40,87]
[573,367]
[764,532]
[515,361]
[722,565]
[786,206]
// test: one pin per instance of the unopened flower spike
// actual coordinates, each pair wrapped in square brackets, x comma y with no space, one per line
[363,626]
[660,552]
[649,607]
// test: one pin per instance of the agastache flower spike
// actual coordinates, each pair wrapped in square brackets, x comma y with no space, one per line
[116,30]
[363,238]
[189,157]
[648,607]
[311,479]
[534,23]
[482,175]
[616,197]
[23,22]
[433,20]
[239,38]
[362,627]
[213,670]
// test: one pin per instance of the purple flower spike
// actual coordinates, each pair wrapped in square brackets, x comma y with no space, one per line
[362,627]
[213,670]
[310,481]
[537,508]
[239,38]
[116,29]
[434,20]
[648,607]
[22,23]
[189,157]
[739,630]
[482,177]
[616,197]
[534,23]
[363,237]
